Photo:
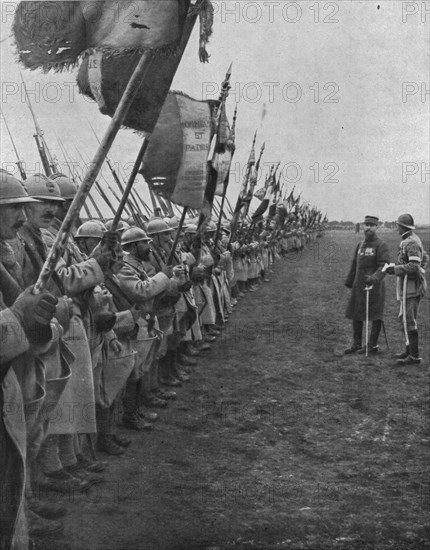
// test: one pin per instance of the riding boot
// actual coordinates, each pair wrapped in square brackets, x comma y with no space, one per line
[357,333]
[404,354]
[413,344]
[374,333]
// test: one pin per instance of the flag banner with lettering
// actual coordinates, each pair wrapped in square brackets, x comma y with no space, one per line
[175,165]
[110,38]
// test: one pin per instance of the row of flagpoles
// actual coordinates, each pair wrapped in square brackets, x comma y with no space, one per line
[196,130]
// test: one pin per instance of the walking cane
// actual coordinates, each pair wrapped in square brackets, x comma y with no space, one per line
[367,289]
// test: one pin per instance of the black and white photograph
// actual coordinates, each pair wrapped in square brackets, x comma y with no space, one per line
[214,270]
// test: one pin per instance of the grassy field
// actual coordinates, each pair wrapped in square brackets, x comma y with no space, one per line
[279,441]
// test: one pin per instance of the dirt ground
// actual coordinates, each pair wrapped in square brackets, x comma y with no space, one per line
[278,441]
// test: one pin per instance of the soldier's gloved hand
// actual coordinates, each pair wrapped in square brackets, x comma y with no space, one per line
[35,312]
[110,239]
[104,321]
[103,256]
[136,313]
[198,275]
[370,280]
[185,287]
[168,271]
[64,311]
[115,345]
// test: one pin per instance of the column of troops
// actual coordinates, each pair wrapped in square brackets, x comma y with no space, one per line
[108,343]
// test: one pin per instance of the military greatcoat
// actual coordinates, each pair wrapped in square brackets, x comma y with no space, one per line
[369,259]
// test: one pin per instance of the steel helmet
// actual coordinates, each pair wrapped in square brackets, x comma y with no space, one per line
[122,226]
[191,228]
[406,220]
[67,186]
[226,226]
[91,228]
[134,235]
[41,187]
[12,190]
[157,225]
[211,226]
[172,222]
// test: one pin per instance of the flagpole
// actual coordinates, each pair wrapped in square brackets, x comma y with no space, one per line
[178,233]
[242,193]
[92,172]
[130,182]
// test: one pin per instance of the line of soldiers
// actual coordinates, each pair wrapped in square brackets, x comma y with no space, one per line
[112,337]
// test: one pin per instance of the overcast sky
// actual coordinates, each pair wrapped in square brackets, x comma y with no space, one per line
[338,90]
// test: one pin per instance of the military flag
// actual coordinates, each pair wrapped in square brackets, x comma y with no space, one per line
[220,154]
[175,164]
[110,38]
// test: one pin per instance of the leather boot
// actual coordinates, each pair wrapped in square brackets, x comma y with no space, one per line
[175,369]
[107,444]
[404,354]
[414,355]
[167,376]
[357,334]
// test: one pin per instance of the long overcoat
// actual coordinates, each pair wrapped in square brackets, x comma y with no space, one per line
[369,259]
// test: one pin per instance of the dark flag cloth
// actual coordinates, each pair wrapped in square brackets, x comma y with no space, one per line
[259,194]
[111,37]
[258,214]
[175,165]
[269,197]
[219,159]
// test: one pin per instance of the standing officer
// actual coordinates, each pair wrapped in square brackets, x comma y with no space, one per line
[370,257]
[411,285]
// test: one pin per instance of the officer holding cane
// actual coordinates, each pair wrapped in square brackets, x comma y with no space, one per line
[369,258]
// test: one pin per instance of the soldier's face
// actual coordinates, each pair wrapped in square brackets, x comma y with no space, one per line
[370,228]
[12,218]
[143,251]
[165,239]
[41,214]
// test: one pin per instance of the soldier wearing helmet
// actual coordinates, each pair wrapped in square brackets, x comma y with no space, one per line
[28,379]
[89,235]
[161,235]
[63,466]
[68,191]
[122,226]
[412,261]
[141,285]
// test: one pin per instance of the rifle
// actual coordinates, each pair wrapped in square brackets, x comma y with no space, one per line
[49,165]
[19,162]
